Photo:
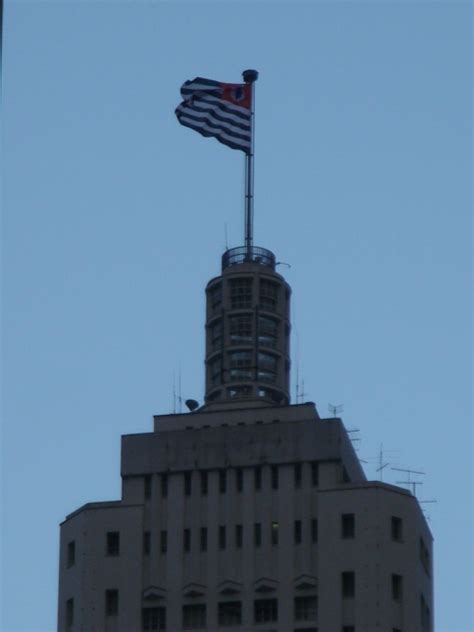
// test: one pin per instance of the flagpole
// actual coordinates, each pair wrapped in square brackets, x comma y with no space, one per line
[250,77]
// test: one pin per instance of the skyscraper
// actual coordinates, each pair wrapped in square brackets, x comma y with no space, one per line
[247,513]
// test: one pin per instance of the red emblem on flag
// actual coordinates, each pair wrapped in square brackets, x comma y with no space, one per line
[237,93]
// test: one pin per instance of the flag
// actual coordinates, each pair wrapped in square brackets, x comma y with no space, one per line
[218,109]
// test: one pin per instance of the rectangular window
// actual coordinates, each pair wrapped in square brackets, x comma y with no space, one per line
[348,526]
[298,475]
[164,485]
[425,557]
[239,480]
[314,530]
[146,543]
[274,533]
[69,612]
[229,613]
[222,481]
[215,369]
[241,329]
[258,478]
[187,540]
[268,295]
[348,584]
[147,487]
[297,532]
[274,474]
[267,332]
[204,483]
[222,537]
[241,293]
[71,553]
[397,529]
[163,541]
[187,483]
[348,628]
[153,619]
[194,616]
[113,543]
[265,610]
[203,538]
[315,474]
[306,608]
[215,297]
[111,602]
[216,335]
[397,587]
[239,536]
[257,534]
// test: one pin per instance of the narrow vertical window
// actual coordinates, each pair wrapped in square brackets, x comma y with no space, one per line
[257,531]
[222,481]
[274,533]
[164,485]
[113,543]
[203,538]
[147,487]
[397,587]
[348,584]
[314,530]
[397,529]
[239,479]
[222,537]
[204,483]
[163,541]
[274,475]
[111,602]
[239,535]
[187,540]
[69,612]
[348,526]
[146,543]
[315,474]
[258,478]
[187,483]
[297,531]
[298,475]
[71,553]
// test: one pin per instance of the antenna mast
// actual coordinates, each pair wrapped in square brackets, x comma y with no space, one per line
[250,77]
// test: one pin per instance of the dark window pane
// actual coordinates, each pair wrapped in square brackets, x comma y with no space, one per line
[265,610]
[229,613]
[348,526]
[113,543]
[348,584]
[111,602]
[239,532]
[71,553]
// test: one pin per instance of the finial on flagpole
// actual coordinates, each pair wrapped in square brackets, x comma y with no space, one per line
[250,76]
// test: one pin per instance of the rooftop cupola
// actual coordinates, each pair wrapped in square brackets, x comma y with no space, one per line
[248,330]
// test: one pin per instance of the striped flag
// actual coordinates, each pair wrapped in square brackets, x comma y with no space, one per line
[222,110]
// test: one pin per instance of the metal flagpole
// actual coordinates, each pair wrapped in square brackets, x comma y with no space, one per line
[250,76]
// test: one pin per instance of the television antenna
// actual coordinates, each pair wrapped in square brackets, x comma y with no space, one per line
[382,463]
[409,481]
[335,409]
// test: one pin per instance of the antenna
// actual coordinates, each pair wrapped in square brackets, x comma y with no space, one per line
[335,409]
[225,236]
[409,481]
[174,394]
[180,399]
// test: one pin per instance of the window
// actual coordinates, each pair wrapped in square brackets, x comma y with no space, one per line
[265,610]
[397,529]
[203,538]
[163,541]
[239,536]
[267,362]
[314,530]
[153,619]
[111,602]
[345,476]
[204,483]
[222,537]
[348,628]
[241,329]
[348,526]
[425,614]
[298,475]
[71,553]
[215,332]
[348,584]
[194,616]
[146,543]
[274,533]
[268,295]
[297,532]
[147,487]
[215,369]
[187,483]
[229,613]
[187,540]
[239,480]
[306,608]
[164,485]
[69,612]
[397,587]
[215,297]
[113,543]
[425,557]
[274,474]
[258,478]
[267,332]
[240,293]
[241,365]
[222,481]
[239,392]
[257,534]
[315,474]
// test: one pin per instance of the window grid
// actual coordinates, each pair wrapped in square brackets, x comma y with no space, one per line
[111,602]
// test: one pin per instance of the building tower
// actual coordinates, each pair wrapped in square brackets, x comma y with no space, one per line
[247,514]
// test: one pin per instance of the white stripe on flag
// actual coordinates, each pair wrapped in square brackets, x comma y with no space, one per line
[203,116]
[218,133]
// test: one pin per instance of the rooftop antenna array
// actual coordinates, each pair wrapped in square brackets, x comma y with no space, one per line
[335,409]
[409,481]
[382,462]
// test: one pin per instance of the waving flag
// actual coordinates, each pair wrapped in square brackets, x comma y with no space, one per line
[222,110]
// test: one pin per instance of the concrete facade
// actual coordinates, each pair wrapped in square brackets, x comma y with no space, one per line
[247,515]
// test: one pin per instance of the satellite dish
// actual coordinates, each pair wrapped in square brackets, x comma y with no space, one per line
[192,404]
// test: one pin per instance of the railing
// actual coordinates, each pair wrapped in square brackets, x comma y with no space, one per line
[254,254]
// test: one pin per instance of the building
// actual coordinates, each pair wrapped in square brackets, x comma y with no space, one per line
[247,513]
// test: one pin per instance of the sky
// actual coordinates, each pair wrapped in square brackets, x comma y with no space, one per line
[115,217]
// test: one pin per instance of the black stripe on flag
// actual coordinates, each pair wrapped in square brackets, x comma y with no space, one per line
[217,113]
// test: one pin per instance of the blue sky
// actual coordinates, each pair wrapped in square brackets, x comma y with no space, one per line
[114,218]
